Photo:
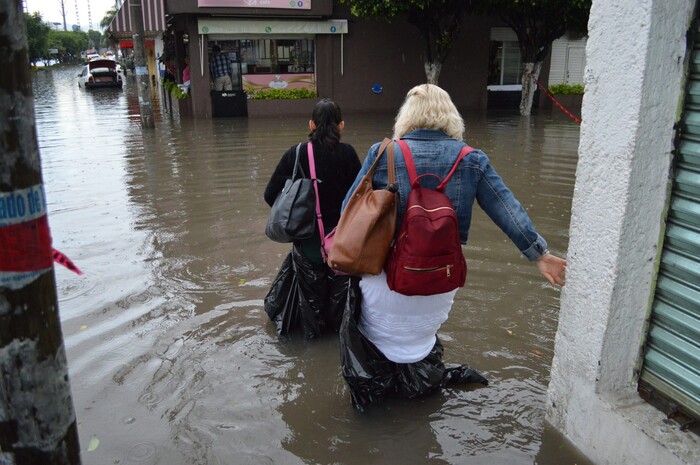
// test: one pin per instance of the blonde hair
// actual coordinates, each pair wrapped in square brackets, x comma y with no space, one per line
[427,106]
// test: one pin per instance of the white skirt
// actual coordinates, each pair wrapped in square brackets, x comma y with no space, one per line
[402,327]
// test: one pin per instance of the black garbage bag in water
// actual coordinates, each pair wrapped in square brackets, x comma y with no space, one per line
[305,296]
[372,377]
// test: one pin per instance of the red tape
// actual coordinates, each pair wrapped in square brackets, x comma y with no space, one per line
[26,246]
[61,259]
[549,94]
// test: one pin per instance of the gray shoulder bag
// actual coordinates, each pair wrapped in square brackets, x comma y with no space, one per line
[293,215]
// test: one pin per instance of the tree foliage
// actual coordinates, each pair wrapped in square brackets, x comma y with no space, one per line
[94,38]
[538,23]
[68,43]
[37,36]
[108,17]
[439,22]
[104,24]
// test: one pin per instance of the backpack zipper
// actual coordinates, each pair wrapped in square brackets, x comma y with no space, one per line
[428,270]
[429,209]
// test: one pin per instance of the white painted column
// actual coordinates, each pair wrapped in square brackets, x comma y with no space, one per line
[635,64]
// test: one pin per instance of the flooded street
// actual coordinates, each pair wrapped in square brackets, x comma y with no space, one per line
[173,360]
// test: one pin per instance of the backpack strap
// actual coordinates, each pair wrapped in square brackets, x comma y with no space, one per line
[408,159]
[411,166]
[466,150]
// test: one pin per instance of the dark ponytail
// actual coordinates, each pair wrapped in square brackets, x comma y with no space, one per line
[326,116]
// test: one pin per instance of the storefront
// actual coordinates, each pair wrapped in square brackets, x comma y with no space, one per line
[318,48]
[268,55]
[270,47]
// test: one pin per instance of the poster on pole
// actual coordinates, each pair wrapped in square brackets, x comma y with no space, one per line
[26,252]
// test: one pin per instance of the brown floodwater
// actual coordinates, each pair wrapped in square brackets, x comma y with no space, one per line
[172,359]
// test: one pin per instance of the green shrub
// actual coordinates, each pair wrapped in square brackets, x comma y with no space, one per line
[566,89]
[275,94]
[174,89]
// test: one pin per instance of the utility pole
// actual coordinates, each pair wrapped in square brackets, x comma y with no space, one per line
[37,420]
[62,3]
[140,69]
[89,17]
[77,14]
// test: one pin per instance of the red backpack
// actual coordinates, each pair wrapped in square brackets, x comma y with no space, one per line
[427,256]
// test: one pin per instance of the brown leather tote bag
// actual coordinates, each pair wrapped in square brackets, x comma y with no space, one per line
[366,228]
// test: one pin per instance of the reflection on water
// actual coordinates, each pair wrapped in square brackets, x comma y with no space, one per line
[171,356]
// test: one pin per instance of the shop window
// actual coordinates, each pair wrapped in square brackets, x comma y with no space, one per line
[504,63]
[267,56]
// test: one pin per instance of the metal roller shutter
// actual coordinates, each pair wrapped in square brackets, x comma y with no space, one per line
[671,365]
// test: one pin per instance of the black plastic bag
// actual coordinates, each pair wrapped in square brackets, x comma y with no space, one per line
[280,301]
[305,296]
[371,377]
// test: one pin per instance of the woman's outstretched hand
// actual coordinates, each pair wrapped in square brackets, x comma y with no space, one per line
[552,267]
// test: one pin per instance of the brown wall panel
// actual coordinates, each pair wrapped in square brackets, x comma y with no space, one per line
[390,54]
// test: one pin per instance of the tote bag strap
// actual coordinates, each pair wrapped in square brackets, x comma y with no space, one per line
[297,166]
[388,147]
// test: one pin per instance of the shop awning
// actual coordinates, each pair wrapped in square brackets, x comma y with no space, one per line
[260,27]
[153,19]
[126,44]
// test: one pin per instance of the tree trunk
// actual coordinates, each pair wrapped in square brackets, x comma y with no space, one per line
[530,71]
[432,71]
[37,420]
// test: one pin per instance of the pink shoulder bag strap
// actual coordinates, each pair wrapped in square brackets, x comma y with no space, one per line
[319,217]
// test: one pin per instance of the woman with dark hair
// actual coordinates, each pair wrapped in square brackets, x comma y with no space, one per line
[336,164]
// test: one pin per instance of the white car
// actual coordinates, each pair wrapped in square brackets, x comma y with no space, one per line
[100,73]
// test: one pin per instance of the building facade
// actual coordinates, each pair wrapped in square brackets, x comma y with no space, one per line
[365,65]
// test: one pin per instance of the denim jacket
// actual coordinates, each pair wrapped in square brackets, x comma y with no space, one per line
[475,179]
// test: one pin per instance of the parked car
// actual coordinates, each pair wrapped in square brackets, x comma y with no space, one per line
[100,73]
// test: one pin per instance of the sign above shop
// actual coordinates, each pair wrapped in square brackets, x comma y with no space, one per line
[280,4]
[225,26]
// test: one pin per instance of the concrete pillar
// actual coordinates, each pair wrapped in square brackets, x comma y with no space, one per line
[635,66]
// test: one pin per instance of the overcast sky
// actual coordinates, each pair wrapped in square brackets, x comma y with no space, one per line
[51,11]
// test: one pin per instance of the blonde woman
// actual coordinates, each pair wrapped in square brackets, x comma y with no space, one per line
[389,344]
